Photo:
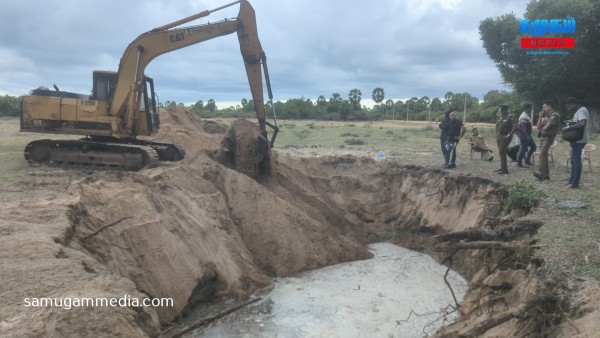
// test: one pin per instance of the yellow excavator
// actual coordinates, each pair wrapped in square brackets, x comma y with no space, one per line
[122,105]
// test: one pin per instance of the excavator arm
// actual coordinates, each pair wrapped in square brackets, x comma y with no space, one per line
[127,97]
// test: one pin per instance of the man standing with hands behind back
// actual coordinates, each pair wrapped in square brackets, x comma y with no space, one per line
[505,128]
[548,125]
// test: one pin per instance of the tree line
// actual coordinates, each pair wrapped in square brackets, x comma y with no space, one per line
[337,107]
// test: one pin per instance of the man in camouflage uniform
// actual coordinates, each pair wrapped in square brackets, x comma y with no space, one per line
[548,125]
[505,128]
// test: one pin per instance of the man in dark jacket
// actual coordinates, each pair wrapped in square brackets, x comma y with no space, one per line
[456,130]
[444,135]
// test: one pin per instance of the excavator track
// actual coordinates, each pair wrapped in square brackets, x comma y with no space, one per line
[165,151]
[131,157]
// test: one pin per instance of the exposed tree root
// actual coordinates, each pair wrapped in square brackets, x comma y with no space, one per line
[480,245]
[204,321]
[106,227]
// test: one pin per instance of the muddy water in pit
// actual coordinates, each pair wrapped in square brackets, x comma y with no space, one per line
[370,298]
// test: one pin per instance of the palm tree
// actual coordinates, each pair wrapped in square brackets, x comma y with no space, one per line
[354,96]
[378,95]
[321,101]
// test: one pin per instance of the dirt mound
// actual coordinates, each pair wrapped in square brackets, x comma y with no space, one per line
[179,125]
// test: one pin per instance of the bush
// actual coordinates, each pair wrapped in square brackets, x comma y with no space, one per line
[523,195]
[354,141]
[9,106]
[304,133]
[349,135]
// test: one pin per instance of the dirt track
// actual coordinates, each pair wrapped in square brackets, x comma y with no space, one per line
[196,231]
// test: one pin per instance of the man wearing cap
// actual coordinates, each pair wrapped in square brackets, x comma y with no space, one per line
[479,145]
[527,144]
[548,125]
[581,116]
[505,128]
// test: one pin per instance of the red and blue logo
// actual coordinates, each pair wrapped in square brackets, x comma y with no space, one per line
[539,28]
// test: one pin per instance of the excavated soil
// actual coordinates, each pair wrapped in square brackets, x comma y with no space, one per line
[198,231]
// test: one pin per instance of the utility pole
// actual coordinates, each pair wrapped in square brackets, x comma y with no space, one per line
[429,115]
[465,111]
[407,107]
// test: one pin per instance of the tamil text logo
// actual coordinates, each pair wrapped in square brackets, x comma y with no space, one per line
[539,28]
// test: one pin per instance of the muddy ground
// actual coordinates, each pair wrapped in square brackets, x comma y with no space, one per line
[198,232]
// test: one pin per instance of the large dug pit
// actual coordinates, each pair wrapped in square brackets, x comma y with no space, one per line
[198,232]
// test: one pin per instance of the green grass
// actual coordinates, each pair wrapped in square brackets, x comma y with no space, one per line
[12,144]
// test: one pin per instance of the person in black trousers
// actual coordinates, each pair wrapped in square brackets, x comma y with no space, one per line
[505,128]
[456,130]
[444,135]
[527,144]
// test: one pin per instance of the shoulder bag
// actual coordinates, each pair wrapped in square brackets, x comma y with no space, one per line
[572,135]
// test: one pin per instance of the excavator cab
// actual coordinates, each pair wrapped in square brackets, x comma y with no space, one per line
[104,86]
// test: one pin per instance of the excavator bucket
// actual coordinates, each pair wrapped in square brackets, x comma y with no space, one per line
[245,150]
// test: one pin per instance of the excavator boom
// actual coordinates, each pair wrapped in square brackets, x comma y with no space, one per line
[126,100]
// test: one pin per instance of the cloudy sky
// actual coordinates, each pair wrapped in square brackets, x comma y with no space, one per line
[407,47]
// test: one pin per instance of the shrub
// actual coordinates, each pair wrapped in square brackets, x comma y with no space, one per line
[400,138]
[349,135]
[523,195]
[302,134]
[354,141]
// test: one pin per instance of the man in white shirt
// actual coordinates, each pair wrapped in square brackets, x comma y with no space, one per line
[581,116]
[527,144]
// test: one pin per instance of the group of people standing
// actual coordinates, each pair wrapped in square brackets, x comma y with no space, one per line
[548,126]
